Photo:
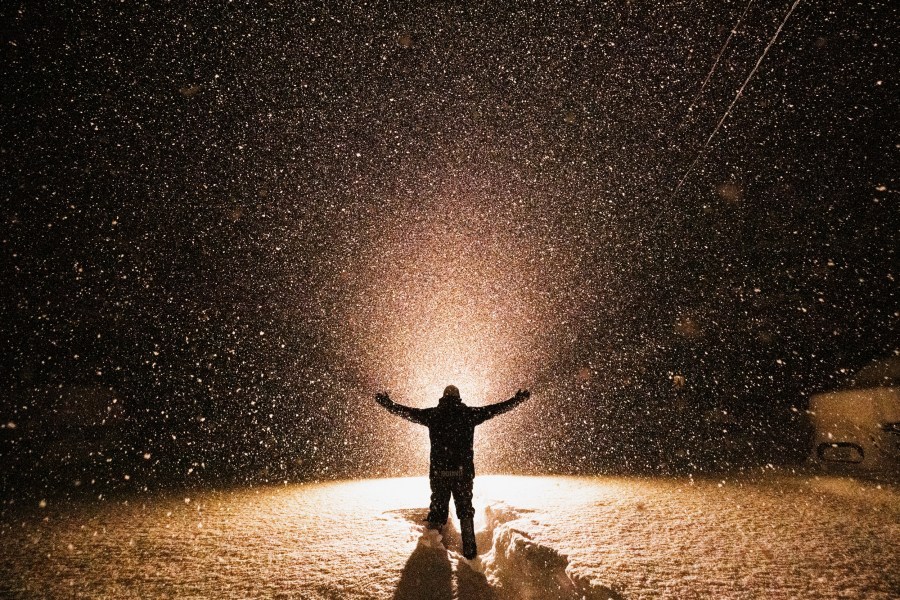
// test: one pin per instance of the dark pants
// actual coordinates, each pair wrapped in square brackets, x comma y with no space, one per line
[441,490]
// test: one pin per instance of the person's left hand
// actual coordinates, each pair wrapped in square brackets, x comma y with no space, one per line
[523,395]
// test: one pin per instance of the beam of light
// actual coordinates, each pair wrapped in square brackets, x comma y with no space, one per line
[455,289]
[451,298]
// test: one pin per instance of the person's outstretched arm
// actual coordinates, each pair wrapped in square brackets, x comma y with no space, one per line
[489,412]
[416,415]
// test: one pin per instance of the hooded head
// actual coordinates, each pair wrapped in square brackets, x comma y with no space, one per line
[451,396]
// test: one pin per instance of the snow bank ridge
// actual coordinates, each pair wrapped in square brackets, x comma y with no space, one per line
[529,570]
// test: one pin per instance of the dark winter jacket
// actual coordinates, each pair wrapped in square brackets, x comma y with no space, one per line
[451,428]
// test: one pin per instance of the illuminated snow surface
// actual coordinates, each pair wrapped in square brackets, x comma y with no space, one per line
[540,537]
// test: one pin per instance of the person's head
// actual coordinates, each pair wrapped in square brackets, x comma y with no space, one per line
[451,395]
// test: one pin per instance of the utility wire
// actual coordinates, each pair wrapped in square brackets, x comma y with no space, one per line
[718,126]
[709,75]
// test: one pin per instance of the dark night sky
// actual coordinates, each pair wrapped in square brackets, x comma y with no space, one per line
[239,221]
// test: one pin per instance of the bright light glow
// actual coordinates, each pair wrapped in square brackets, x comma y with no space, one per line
[443,296]
[440,294]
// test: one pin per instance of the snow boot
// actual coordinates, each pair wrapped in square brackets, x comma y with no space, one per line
[467,529]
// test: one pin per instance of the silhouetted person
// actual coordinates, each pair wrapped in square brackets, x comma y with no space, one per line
[451,429]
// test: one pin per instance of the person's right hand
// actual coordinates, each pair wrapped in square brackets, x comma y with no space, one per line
[523,395]
[383,399]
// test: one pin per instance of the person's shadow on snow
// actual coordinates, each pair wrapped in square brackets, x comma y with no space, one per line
[429,574]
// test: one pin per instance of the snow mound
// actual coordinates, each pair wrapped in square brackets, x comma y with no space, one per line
[511,565]
[475,564]
[523,568]
[431,538]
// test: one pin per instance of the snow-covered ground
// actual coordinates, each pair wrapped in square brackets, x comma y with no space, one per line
[540,537]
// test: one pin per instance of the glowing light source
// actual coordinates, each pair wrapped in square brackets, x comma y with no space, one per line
[445,295]
[455,289]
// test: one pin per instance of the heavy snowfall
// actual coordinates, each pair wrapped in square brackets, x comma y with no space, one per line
[227,226]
